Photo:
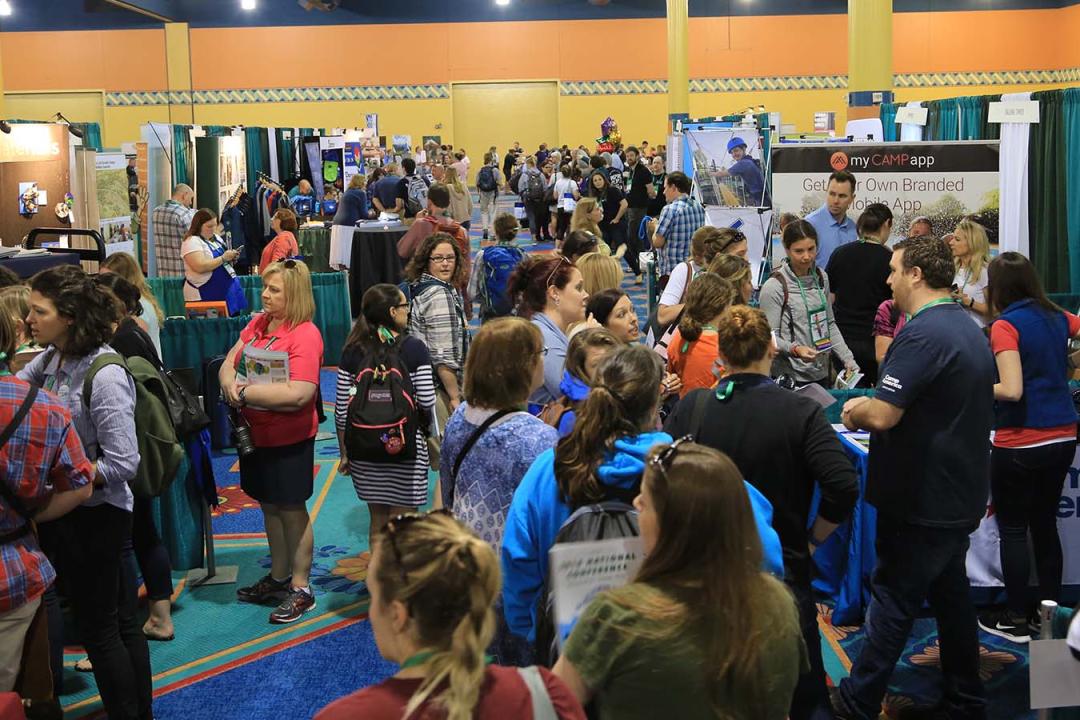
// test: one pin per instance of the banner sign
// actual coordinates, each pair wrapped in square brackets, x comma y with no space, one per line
[943,181]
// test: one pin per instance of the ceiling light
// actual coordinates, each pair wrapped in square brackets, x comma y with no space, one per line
[502,2]
[5,7]
[247,4]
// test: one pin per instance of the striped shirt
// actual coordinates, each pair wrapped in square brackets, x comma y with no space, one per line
[106,428]
[437,318]
[43,456]
[678,223]
[171,223]
[399,484]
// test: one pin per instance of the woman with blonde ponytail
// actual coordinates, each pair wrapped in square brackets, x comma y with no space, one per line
[693,352]
[433,584]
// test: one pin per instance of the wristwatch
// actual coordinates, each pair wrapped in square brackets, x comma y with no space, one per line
[241,394]
[971,303]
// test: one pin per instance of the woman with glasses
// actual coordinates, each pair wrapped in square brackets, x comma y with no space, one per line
[552,294]
[437,311]
[433,585]
[380,337]
[283,419]
[784,446]
[659,647]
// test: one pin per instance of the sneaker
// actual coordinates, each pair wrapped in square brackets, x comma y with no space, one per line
[267,589]
[293,607]
[839,707]
[619,252]
[485,234]
[999,623]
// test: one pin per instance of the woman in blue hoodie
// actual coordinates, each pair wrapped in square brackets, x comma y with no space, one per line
[603,457]
[587,349]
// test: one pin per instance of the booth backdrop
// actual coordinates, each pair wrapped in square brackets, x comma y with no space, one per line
[188,343]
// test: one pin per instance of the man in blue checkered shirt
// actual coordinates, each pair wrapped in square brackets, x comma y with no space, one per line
[679,219]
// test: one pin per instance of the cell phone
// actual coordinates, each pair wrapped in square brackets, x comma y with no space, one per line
[955,287]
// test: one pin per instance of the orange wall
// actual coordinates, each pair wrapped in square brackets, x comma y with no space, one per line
[110,60]
[1070,30]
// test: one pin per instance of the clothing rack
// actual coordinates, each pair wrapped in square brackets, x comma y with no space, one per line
[269,181]
[235,197]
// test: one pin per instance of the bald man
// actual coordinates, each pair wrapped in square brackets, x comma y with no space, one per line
[170,224]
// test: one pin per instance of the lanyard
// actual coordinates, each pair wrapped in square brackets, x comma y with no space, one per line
[802,292]
[932,303]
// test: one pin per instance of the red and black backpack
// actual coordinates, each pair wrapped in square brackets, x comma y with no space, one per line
[382,417]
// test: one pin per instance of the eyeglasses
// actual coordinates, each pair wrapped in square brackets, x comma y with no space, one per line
[663,459]
[402,305]
[562,259]
[398,523]
[542,351]
[442,258]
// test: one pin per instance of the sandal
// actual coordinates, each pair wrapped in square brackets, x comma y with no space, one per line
[84,666]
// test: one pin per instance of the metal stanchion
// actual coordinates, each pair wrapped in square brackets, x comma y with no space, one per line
[211,574]
[1047,610]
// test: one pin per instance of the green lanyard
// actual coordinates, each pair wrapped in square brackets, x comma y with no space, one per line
[802,292]
[927,306]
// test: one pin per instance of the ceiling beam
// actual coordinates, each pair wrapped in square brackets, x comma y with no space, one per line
[156,9]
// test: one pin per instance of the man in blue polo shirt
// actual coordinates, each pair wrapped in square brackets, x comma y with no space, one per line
[929,475]
[834,227]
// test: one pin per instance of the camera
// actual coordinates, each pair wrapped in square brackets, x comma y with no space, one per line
[241,433]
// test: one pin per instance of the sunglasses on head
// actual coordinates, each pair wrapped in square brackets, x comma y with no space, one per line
[399,523]
[736,238]
[663,459]
[562,259]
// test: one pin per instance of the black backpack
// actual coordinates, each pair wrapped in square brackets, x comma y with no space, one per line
[535,187]
[382,417]
[485,179]
[613,517]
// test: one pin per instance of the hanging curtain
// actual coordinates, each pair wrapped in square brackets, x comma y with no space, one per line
[91,135]
[888,121]
[286,152]
[942,121]
[990,131]
[217,130]
[973,111]
[1013,232]
[1047,217]
[181,152]
[256,157]
[1071,119]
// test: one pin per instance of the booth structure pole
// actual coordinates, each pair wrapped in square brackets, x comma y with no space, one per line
[870,70]
[678,53]
[211,574]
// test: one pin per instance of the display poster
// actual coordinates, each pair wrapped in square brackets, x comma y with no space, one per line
[984,560]
[402,144]
[114,203]
[943,181]
[354,161]
[333,170]
[752,223]
[705,153]
[232,168]
[371,122]
[582,570]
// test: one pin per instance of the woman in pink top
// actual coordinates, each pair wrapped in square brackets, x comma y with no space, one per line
[284,245]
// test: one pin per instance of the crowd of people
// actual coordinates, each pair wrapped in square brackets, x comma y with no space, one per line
[685,431]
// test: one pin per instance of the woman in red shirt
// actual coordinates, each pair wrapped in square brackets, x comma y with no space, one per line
[283,246]
[272,376]
[432,584]
[693,354]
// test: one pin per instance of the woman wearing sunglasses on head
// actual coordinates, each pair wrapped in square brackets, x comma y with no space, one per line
[433,584]
[659,647]
[283,419]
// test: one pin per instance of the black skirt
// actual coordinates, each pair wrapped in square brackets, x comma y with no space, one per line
[281,475]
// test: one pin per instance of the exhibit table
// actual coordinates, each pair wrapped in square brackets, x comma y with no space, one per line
[28,266]
[187,343]
[373,257]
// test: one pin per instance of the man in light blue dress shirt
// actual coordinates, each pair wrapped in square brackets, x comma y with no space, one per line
[834,227]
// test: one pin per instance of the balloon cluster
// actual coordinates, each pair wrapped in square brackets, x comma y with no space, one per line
[609,136]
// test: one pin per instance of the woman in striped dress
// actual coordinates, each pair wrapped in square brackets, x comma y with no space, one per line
[389,489]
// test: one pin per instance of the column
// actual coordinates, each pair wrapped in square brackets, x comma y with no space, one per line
[178,65]
[870,56]
[678,53]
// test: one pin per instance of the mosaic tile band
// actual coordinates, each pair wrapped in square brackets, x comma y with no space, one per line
[587,88]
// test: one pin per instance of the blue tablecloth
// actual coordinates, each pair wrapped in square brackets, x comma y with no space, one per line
[26,267]
[846,560]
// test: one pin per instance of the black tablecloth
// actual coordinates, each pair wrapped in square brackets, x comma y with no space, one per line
[374,260]
[26,267]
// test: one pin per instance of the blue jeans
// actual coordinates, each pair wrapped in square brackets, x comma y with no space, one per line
[917,563]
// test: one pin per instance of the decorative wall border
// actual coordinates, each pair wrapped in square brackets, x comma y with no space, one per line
[586,88]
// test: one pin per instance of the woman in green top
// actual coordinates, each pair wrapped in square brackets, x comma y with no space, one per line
[702,632]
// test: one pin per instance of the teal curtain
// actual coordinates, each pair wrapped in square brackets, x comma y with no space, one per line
[217,130]
[973,110]
[286,152]
[91,135]
[1047,214]
[181,152]
[991,131]
[1071,119]
[186,343]
[256,154]
[942,119]
[888,121]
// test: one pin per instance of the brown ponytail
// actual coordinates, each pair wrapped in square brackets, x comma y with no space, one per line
[707,297]
[622,402]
